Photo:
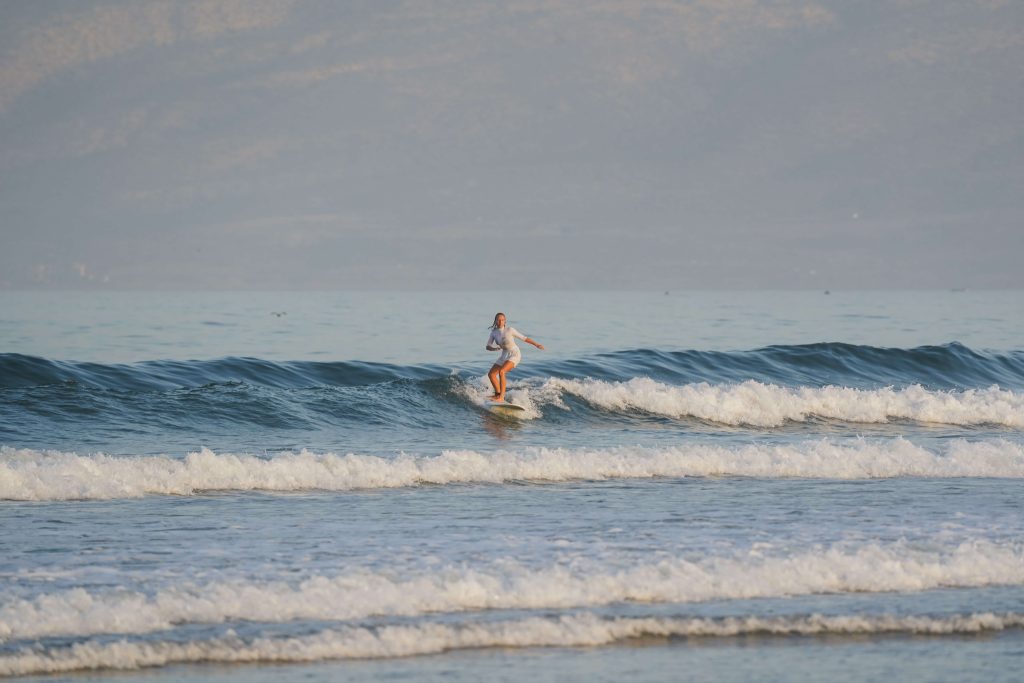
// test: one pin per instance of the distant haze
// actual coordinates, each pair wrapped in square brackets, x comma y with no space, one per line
[280,144]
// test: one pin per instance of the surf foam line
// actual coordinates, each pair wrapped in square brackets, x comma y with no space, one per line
[508,585]
[33,475]
[390,641]
[767,405]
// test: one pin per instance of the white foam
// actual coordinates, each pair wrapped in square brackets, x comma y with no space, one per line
[509,585]
[479,392]
[578,630]
[27,474]
[768,405]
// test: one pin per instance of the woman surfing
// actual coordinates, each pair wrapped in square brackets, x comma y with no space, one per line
[504,339]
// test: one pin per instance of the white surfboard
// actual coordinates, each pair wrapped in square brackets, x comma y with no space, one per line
[502,407]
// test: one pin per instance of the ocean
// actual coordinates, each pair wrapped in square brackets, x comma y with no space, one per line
[703,486]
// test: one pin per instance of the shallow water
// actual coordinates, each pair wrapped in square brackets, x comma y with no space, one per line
[774,484]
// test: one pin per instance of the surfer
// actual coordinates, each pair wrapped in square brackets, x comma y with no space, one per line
[504,339]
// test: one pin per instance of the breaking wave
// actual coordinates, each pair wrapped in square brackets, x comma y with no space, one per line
[400,640]
[767,405]
[27,474]
[507,585]
[48,403]
[949,366]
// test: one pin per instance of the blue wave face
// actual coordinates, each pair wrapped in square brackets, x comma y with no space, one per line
[20,371]
[247,402]
[951,366]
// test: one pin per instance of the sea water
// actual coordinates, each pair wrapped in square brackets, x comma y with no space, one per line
[704,485]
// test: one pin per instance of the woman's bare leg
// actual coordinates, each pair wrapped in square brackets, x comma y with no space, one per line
[495,382]
[502,371]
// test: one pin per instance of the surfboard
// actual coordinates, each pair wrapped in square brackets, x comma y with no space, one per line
[502,407]
[505,405]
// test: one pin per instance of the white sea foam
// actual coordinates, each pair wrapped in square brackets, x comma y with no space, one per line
[576,630]
[480,391]
[768,405]
[509,585]
[27,474]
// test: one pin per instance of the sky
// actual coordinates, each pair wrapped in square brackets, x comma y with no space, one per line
[526,144]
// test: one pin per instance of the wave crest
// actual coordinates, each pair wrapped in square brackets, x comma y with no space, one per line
[767,405]
[839,568]
[52,475]
[951,366]
[578,630]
